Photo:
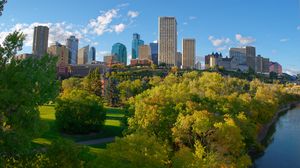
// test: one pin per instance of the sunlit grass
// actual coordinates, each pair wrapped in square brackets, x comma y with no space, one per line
[113,127]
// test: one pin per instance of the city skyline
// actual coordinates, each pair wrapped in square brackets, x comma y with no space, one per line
[272,31]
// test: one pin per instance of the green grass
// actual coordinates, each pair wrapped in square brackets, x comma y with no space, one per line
[113,127]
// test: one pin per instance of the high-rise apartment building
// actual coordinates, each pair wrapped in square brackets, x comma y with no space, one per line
[179,59]
[167,40]
[72,45]
[239,54]
[83,55]
[40,41]
[265,65]
[120,51]
[275,67]
[144,52]
[259,64]
[250,57]
[189,53]
[62,52]
[92,55]
[154,52]
[136,43]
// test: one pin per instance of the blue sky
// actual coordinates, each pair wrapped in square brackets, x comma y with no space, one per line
[272,26]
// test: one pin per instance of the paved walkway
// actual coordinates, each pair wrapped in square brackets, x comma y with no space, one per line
[97,141]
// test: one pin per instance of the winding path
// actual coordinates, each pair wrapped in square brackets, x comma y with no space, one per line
[97,141]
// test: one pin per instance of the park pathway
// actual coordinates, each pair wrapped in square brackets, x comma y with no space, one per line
[97,141]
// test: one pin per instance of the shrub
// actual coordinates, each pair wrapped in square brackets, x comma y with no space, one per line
[79,112]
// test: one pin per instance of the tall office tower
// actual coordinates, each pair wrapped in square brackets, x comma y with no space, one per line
[144,52]
[120,51]
[265,65]
[189,53]
[239,54]
[259,64]
[179,59]
[167,41]
[61,51]
[83,55]
[136,42]
[250,57]
[72,44]
[40,41]
[92,55]
[154,52]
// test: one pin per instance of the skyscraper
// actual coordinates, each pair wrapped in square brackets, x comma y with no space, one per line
[179,59]
[167,41]
[136,42]
[120,51]
[40,41]
[239,54]
[154,52]
[83,55]
[62,52]
[189,53]
[275,67]
[250,57]
[92,55]
[72,45]
[144,52]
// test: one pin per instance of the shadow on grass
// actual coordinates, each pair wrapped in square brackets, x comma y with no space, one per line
[114,126]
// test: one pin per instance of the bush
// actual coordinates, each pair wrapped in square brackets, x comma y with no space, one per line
[79,112]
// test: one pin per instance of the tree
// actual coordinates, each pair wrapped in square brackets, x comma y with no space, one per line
[71,84]
[134,151]
[24,86]
[93,83]
[111,92]
[129,89]
[2,2]
[67,154]
[79,112]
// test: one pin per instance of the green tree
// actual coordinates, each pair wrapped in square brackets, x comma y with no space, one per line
[134,151]
[67,154]
[79,112]
[2,2]
[129,89]
[111,92]
[93,83]
[71,84]
[24,86]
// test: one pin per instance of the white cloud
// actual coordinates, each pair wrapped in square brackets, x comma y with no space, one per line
[274,52]
[123,5]
[192,17]
[58,32]
[291,71]
[119,28]
[133,14]
[218,42]
[101,24]
[284,40]
[103,52]
[244,40]
[155,41]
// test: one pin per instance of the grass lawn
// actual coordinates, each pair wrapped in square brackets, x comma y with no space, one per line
[113,127]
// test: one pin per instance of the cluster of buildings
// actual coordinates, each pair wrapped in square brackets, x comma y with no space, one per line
[71,59]
[242,59]
[164,52]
